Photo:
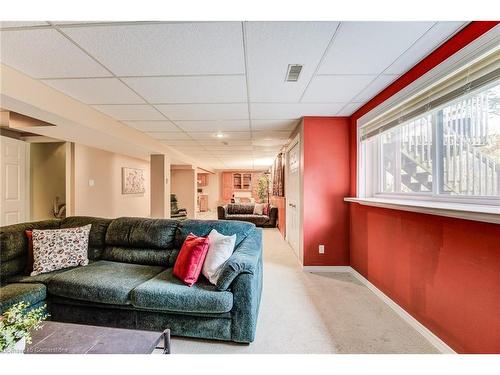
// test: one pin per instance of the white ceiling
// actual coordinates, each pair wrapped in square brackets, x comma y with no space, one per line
[184,82]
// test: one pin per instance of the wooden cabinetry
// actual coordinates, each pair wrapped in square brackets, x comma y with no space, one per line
[233,182]
[202,179]
[242,181]
[203,202]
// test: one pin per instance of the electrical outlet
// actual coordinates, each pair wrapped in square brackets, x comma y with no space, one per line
[321,249]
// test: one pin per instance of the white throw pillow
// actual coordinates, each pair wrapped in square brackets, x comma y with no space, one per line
[258,208]
[220,250]
[54,249]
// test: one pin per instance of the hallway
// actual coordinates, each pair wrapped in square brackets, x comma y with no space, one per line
[304,312]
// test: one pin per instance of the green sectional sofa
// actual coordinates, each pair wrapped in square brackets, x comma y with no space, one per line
[129,281]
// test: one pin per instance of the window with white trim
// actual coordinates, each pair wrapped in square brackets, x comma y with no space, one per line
[442,143]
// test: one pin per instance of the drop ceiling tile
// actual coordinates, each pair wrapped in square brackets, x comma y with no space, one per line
[153,126]
[9,24]
[227,136]
[199,89]
[222,147]
[377,85]
[274,124]
[169,135]
[272,46]
[214,126]
[279,111]
[436,36]
[180,143]
[370,47]
[265,162]
[339,89]
[209,142]
[45,53]
[194,112]
[349,109]
[165,49]
[130,112]
[268,135]
[96,90]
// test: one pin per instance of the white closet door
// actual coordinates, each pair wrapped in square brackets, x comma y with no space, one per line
[13,184]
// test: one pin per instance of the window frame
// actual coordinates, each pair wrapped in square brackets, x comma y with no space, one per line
[369,181]
[437,172]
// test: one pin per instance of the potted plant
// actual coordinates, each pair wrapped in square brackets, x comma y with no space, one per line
[263,189]
[16,323]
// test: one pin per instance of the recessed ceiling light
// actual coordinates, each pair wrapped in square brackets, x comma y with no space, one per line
[219,135]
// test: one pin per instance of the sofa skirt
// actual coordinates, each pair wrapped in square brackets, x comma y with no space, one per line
[196,326]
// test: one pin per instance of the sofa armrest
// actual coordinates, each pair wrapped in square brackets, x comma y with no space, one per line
[245,259]
[273,213]
[221,212]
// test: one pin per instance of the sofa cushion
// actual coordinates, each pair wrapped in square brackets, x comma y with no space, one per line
[97,237]
[165,292]
[240,208]
[255,219]
[11,294]
[138,232]
[102,281]
[42,278]
[203,228]
[141,241]
[14,246]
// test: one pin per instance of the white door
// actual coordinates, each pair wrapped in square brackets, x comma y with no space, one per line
[292,185]
[12,181]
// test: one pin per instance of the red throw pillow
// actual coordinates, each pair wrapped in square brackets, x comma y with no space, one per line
[190,260]
[29,262]
[266,209]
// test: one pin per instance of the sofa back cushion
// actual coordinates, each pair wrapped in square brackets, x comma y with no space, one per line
[14,246]
[141,241]
[97,237]
[237,208]
[203,228]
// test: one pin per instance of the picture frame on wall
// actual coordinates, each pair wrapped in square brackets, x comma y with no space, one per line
[133,181]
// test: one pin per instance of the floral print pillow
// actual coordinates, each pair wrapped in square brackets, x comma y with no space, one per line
[54,249]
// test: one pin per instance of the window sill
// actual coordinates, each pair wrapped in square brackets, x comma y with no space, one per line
[488,214]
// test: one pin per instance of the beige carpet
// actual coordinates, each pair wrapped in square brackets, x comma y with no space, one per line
[315,313]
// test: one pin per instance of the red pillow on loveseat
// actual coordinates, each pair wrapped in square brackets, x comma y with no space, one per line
[190,260]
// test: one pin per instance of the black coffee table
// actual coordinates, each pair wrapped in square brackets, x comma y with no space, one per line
[68,338]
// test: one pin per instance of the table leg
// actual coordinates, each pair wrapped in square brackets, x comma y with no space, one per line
[166,341]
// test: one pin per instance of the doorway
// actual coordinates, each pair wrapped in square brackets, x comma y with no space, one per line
[292,187]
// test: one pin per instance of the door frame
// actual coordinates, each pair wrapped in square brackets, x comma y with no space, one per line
[295,141]
[27,177]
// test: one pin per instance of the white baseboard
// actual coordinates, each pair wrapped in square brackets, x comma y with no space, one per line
[407,317]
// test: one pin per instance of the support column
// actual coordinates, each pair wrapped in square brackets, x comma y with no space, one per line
[184,186]
[160,186]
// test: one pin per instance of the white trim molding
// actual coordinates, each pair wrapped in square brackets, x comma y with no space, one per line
[484,213]
[435,341]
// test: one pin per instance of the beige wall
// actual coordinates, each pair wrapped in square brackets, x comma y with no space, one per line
[47,178]
[183,185]
[105,198]
[212,190]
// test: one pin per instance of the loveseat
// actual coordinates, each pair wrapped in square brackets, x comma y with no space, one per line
[245,212]
[129,283]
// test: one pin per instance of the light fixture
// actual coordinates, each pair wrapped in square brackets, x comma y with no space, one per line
[219,135]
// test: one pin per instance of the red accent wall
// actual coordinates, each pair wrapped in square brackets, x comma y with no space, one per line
[443,271]
[326,183]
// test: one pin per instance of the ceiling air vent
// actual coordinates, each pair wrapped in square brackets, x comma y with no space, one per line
[293,72]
